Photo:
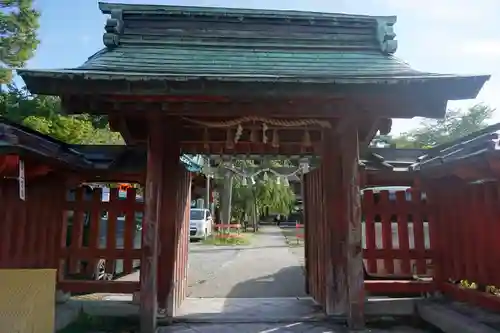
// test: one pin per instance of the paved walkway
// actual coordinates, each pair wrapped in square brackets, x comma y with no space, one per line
[265,269]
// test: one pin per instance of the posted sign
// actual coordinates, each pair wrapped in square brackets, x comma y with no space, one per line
[22,185]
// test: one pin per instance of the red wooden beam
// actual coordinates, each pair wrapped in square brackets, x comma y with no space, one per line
[475,297]
[115,287]
[399,287]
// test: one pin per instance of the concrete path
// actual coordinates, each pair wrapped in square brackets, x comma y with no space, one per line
[297,327]
[265,269]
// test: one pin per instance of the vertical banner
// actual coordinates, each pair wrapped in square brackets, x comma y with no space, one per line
[21,180]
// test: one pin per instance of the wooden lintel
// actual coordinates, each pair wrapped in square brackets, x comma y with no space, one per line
[296,107]
[221,148]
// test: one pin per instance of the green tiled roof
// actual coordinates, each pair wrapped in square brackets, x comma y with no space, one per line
[161,43]
[198,60]
[230,42]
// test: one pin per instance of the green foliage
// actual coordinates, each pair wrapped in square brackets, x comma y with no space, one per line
[278,198]
[18,38]
[456,124]
[43,114]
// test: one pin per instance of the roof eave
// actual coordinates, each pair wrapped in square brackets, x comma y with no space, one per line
[55,82]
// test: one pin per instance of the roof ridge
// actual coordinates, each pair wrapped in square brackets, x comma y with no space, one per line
[107,8]
[376,32]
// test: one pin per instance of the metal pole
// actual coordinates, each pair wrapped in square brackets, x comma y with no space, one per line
[207,192]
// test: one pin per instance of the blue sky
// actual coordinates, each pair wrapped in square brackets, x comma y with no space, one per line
[446,36]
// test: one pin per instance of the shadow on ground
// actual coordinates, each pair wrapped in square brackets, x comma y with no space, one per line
[278,297]
[287,282]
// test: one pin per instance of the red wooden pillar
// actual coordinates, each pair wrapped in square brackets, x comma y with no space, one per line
[149,259]
[352,208]
[345,282]
[173,196]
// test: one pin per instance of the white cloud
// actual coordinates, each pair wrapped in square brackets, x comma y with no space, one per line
[445,10]
[482,47]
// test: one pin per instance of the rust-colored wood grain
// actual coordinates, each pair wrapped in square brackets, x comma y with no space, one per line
[76,232]
[418,210]
[370,237]
[387,229]
[111,229]
[130,230]
[94,228]
[149,259]
[403,235]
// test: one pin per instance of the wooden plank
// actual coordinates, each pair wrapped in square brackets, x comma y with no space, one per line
[445,247]
[130,230]
[112,254]
[395,287]
[435,206]
[403,237]
[456,207]
[34,208]
[169,218]
[386,213]
[39,214]
[493,230]
[322,242]
[61,235]
[56,188]
[336,203]
[184,242]
[397,254]
[113,214]
[461,244]
[8,188]
[481,230]
[44,221]
[76,233]
[149,260]
[117,205]
[370,243]
[94,229]
[90,286]
[350,188]
[304,194]
[418,231]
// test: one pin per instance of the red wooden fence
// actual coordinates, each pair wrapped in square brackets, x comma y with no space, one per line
[468,221]
[96,231]
[396,233]
[396,240]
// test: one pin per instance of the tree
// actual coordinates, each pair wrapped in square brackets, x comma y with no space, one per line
[43,113]
[265,193]
[18,32]
[456,124]
[73,130]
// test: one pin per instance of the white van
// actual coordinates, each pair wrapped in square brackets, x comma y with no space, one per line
[200,223]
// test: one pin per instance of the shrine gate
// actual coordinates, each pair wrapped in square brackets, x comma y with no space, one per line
[223,81]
